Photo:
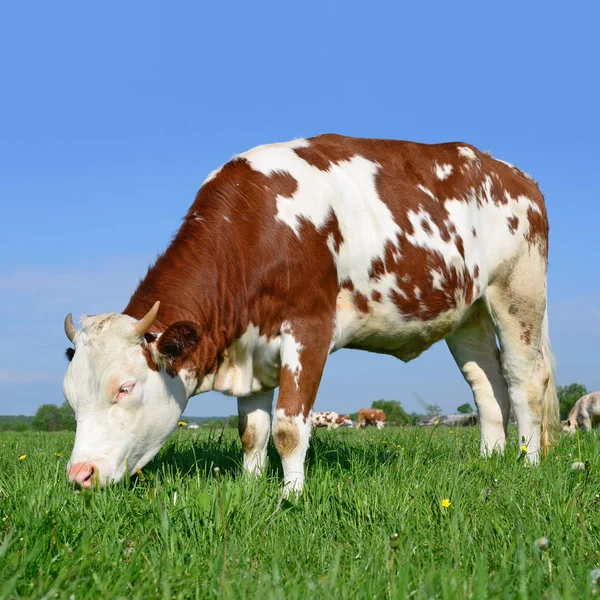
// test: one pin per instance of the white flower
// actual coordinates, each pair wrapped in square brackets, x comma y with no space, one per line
[542,543]
[578,466]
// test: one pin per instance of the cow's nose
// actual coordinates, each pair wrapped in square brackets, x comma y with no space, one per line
[83,474]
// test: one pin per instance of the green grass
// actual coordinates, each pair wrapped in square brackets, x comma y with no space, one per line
[162,535]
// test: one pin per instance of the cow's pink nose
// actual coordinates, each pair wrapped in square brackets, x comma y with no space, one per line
[83,474]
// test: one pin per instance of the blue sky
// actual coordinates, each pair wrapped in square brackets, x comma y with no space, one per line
[112,114]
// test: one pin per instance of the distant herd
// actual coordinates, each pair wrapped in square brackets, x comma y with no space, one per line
[585,415]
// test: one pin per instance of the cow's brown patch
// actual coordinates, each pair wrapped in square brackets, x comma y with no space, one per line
[513,223]
[247,433]
[376,296]
[332,228]
[286,437]
[361,302]
[347,285]
[377,269]
[526,332]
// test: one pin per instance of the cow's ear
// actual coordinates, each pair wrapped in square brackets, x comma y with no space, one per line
[179,341]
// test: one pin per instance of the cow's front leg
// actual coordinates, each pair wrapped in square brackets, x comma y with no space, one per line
[304,350]
[254,424]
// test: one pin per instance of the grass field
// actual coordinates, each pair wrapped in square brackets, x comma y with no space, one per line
[163,535]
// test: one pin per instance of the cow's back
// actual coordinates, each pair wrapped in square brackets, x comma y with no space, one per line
[415,231]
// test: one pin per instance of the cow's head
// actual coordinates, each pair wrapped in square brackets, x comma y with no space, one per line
[128,389]
[568,426]
[344,420]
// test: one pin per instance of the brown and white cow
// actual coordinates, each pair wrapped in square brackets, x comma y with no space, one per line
[331,420]
[370,416]
[584,415]
[293,250]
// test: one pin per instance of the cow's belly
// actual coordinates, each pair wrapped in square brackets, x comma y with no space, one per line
[384,330]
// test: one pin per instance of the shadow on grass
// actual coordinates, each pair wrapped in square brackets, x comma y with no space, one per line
[197,454]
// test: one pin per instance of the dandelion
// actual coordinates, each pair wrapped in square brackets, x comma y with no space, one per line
[523,448]
[446,503]
[138,472]
[23,457]
[436,422]
[542,543]
[181,423]
[58,454]
[578,466]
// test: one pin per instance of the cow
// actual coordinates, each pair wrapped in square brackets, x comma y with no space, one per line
[584,415]
[460,420]
[331,420]
[370,416]
[291,251]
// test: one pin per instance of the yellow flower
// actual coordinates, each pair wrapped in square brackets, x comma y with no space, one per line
[58,454]
[23,457]
[436,422]
[446,503]
[181,423]
[524,448]
[451,432]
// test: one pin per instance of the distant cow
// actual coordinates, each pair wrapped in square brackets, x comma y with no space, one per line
[370,416]
[585,415]
[294,250]
[460,420]
[329,419]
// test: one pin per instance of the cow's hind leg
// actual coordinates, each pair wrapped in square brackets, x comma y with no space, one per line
[304,350]
[516,301]
[254,425]
[473,346]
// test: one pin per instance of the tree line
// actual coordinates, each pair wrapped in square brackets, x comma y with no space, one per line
[50,417]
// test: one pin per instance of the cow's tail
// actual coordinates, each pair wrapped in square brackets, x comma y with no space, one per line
[546,369]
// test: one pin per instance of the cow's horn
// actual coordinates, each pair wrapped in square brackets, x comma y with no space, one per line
[70,328]
[142,326]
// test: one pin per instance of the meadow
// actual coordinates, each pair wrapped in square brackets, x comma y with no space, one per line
[403,512]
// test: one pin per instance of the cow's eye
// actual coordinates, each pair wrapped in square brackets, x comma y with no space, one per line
[125,390]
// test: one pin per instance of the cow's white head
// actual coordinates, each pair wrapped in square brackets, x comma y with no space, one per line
[128,391]
[568,426]
[345,420]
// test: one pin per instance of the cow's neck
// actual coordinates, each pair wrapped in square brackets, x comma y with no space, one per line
[195,280]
